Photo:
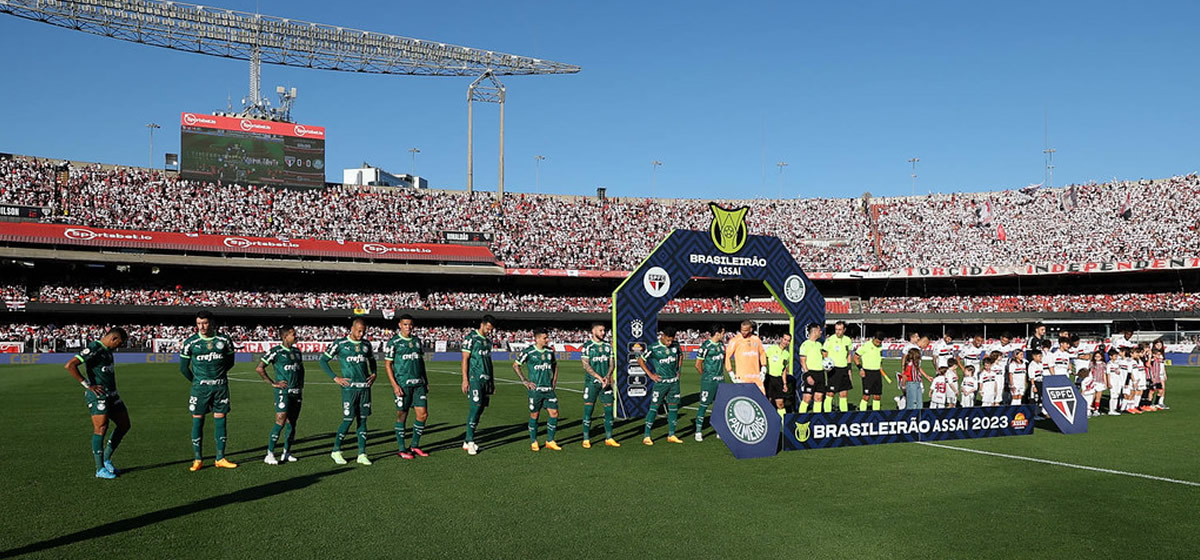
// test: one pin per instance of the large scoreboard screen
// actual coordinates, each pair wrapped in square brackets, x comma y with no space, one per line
[248,151]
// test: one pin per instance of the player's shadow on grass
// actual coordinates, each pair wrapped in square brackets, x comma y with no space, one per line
[133,523]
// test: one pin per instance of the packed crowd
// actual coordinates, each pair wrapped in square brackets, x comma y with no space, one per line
[12,292]
[1036,303]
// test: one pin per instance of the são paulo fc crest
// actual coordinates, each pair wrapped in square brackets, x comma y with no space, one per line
[1063,400]
[656,281]
[728,228]
[746,420]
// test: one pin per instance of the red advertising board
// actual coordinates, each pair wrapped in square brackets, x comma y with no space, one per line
[200,120]
[57,234]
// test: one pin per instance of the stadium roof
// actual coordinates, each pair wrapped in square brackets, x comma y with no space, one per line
[283,41]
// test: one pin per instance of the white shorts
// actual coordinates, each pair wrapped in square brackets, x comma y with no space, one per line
[1098,385]
[1018,385]
[968,401]
[989,395]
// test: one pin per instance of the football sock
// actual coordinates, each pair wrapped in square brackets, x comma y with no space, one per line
[700,411]
[197,435]
[843,404]
[533,429]
[113,442]
[803,407]
[862,405]
[779,410]
[275,429]
[98,450]
[672,418]
[289,436]
[608,421]
[219,434]
[341,434]
[399,427]
[362,435]
[650,414]
[418,429]
[875,404]
[551,428]
[587,420]
[472,422]
[827,404]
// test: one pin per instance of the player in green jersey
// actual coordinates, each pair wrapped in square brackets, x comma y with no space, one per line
[710,362]
[205,359]
[543,377]
[665,354]
[288,363]
[405,362]
[598,368]
[357,360]
[100,392]
[478,383]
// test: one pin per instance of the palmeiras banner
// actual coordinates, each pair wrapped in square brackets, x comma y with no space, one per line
[725,251]
[745,420]
[1064,404]
[842,429]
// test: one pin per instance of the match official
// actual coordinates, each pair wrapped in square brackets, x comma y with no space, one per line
[837,348]
[779,357]
[746,357]
[869,359]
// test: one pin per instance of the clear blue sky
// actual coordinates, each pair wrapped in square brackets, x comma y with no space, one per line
[843,92]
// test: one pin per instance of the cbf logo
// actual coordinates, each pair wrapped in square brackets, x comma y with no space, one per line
[635,328]
[728,228]
[1064,401]
[746,420]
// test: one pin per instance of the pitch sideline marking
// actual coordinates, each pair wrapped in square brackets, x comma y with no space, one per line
[1061,464]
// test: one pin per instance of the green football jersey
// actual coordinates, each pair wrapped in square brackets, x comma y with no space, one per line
[712,356]
[408,360]
[665,359]
[599,356]
[288,365]
[480,349]
[356,358]
[97,360]
[208,355]
[539,365]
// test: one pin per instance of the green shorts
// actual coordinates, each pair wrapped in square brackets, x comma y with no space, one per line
[110,403]
[288,400]
[665,392]
[209,398]
[543,399]
[593,391]
[480,389]
[708,391]
[414,396]
[356,402]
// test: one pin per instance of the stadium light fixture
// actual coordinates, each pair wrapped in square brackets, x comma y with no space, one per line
[412,172]
[150,161]
[914,161]
[780,165]
[537,173]
[654,165]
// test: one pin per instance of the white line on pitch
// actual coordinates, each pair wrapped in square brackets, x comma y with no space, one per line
[1060,464]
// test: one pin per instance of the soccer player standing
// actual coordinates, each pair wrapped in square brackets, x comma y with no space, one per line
[358,369]
[100,392]
[746,357]
[666,355]
[837,348]
[543,377]
[404,360]
[477,377]
[709,362]
[205,359]
[598,368]
[288,363]
[869,359]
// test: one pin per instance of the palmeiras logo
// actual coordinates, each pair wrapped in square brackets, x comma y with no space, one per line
[746,420]
[657,282]
[728,228]
[1063,400]
[794,289]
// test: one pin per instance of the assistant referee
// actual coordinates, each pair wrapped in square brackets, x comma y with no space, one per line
[837,349]
[869,359]
[779,357]
[812,371]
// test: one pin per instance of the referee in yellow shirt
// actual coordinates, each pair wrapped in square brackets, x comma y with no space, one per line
[869,359]
[779,357]
[837,348]
[812,371]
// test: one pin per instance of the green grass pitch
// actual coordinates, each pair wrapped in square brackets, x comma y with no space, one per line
[683,501]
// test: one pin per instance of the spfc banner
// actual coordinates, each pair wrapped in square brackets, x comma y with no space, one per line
[842,429]
[1064,404]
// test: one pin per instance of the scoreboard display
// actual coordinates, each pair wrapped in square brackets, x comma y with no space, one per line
[248,151]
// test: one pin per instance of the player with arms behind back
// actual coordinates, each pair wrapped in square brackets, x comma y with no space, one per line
[205,359]
[100,392]
[404,360]
[478,383]
[288,363]
[598,367]
[709,361]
